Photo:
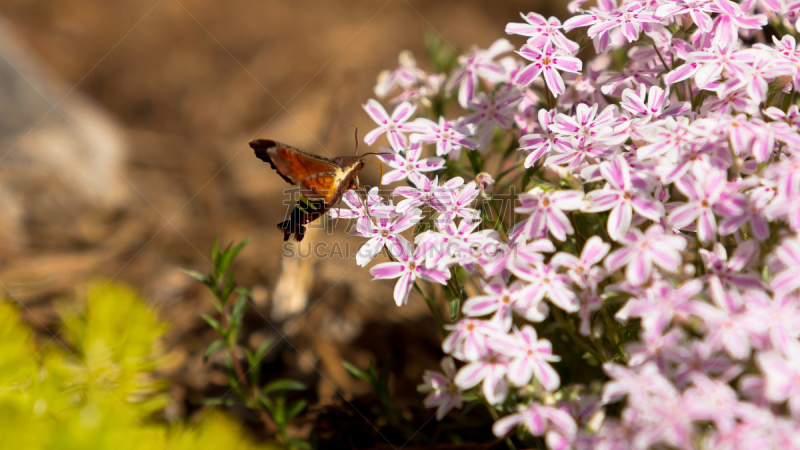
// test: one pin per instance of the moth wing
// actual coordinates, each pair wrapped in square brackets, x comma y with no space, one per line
[292,164]
[322,185]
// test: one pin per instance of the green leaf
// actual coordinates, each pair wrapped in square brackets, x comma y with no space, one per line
[356,372]
[295,443]
[213,323]
[238,307]
[284,384]
[228,255]
[215,251]
[195,274]
[443,57]
[383,382]
[279,412]
[475,161]
[372,372]
[267,402]
[262,349]
[455,307]
[217,401]
[295,408]
[213,347]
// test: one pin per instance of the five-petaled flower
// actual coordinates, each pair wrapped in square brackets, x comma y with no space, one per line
[547,60]
[409,266]
[394,126]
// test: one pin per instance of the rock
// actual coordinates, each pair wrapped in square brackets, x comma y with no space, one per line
[61,156]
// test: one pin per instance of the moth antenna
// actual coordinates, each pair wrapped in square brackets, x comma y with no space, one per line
[356,153]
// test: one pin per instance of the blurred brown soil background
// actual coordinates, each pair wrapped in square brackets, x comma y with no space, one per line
[124,151]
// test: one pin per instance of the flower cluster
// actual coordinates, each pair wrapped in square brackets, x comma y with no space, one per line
[654,241]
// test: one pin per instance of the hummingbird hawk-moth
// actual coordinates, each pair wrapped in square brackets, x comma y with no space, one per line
[322,181]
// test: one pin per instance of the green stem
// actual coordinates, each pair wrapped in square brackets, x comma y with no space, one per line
[494,415]
[570,327]
[432,308]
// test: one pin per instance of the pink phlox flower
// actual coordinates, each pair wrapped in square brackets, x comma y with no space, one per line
[479,65]
[468,338]
[696,156]
[371,205]
[394,126]
[442,391]
[705,196]
[728,324]
[709,66]
[730,102]
[526,117]
[637,383]
[382,231]
[405,76]
[578,156]
[584,270]
[490,368]
[657,101]
[758,73]
[587,124]
[780,315]
[555,424]
[542,141]
[666,137]
[612,83]
[698,10]
[503,300]
[590,302]
[453,243]
[420,94]
[426,192]
[747,137]
[459,200]
[409,266]
[622,198]
[788,253]
[530,358]
[791,116]
[630,18]
[697,358]
[642,250]
[725,274]
[545,281]
[661,304]
[546,211]
[549,61]
[541,31]
[449,137]
[663,420]
[488,112]
[404,166]
[755,212]
[654,346]
[517,252]
[788,49]
[590,17]
[761,430]
[781,132]
[782,372]
[731,18]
